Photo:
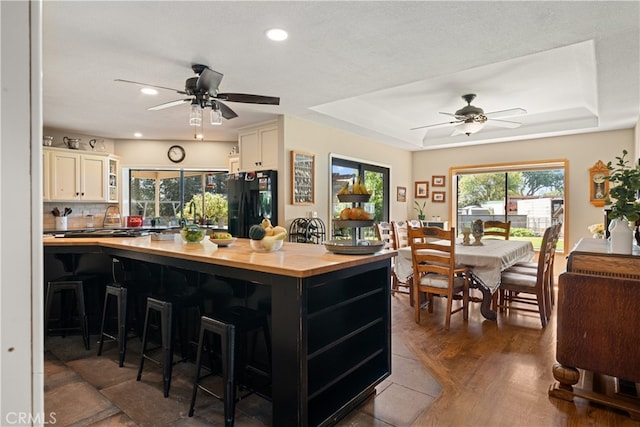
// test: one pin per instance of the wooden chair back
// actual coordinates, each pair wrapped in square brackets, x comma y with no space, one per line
[497,228]
[400,233]
[435,271]
[527,289]
[384,232]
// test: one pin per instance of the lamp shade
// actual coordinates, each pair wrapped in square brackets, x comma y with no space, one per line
[216,116]
[470,127]
[195,115]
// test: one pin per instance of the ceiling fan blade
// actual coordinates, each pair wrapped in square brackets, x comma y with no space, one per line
[437,124]
[169,104]
[227,112]
[209,80]
[181,92]
[504,123]
[249,99]
[448,114]
[506,113]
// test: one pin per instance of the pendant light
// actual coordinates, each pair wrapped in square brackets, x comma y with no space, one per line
[195,114]
[216,114]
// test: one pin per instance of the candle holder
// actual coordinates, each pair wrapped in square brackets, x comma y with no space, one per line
[466,232]
[477,229]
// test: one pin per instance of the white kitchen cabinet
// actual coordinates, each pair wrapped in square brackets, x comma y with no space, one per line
[259,148]
[77,176]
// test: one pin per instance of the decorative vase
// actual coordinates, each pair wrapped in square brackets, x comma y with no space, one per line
[620,236]
[421,217]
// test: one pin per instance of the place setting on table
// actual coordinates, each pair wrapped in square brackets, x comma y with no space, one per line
[486,257]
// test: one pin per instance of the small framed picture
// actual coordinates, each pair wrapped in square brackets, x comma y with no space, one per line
[437,196]
[438,180]
[422,190]
[402,194]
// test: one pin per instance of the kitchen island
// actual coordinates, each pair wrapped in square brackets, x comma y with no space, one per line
[330,314]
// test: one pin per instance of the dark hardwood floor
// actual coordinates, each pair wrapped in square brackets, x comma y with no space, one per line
[479,373]
[493,373]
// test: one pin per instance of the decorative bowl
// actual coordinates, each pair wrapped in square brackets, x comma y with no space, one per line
[193,234]
[259,245]
[224,242]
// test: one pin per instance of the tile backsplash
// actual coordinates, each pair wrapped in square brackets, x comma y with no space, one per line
[81,215]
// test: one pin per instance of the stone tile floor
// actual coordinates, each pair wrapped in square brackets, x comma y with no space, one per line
[83,389]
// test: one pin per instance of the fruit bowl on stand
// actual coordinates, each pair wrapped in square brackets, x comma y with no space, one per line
[354,198]
[266,245]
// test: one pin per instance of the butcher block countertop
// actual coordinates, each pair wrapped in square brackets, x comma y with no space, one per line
[293,259]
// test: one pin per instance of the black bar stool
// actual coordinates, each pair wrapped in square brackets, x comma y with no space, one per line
[131,283]
[62,286]
[120,294]
[171,310]
[233,327]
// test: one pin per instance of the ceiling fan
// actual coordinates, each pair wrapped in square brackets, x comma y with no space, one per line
[203,92]
[471,119]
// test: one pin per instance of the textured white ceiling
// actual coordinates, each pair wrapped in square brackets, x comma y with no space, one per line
[376,69]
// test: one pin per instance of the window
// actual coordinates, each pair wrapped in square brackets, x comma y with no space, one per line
[530,195]
[376,179]
[172,195]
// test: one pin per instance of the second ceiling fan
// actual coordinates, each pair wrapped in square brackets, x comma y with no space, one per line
[203,92]
[471,119]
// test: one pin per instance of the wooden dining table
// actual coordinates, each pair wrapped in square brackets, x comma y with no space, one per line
[487,261]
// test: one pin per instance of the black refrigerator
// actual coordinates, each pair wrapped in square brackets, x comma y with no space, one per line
[252,196]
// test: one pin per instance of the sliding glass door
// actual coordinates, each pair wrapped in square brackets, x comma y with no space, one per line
[531,196]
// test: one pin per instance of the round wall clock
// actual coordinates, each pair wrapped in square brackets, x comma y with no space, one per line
[176,153]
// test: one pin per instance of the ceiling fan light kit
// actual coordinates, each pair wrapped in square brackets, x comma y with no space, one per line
[471,119]
[470,127]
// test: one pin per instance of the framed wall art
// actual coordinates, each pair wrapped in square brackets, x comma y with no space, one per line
[422,190]
[438,180]
[402,194]
[302,178]
[598,184]
[438,196]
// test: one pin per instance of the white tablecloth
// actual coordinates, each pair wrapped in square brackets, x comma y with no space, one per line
[486,261]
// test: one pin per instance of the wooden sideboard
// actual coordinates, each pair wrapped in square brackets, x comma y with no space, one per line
[598,337]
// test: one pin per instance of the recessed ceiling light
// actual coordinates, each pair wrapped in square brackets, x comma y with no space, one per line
[277,34]
[137,135]
[149,91]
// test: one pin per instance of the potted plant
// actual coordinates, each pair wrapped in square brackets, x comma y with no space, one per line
[420,209]
[622,198]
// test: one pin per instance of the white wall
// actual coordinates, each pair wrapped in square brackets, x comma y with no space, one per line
[153,154]
[322,141]
[21,340]
[582,152]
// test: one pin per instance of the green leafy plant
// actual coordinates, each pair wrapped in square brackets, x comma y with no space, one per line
[625,182]
[419,209]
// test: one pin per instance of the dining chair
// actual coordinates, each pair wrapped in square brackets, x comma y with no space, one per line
[531,268]
[385,233]
[435,271]
[497,228]
[400,235]
[526,289]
